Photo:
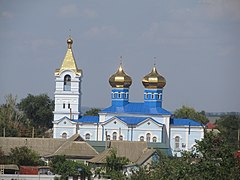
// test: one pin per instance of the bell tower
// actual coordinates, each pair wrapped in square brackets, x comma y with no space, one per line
[68,87]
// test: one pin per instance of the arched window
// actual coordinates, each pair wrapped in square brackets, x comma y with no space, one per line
[141,138]
[64,135]
[120,137]
[67,83]
[87,137]
[154,139]
[119,95]
[146,95]
[177,142]
[148,137]
[152,95]
[114,136]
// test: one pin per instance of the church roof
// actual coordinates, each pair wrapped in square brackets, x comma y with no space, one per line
[69,62]
[88,119]
[184,122]
[136,108]
[134,120]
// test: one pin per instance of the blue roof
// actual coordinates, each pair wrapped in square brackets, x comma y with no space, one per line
[184,122]
[136,108]
[132,120]
[87,119]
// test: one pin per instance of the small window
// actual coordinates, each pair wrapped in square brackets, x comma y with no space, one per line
[120,137]
[177,142]
[87,137]
[154,139]
[141,138]
[114,136]
[69,106]
[119,95]
[64,135]
[148,137]
[63,105]
[152,95]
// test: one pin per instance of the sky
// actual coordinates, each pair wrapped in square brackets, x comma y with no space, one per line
[196,44]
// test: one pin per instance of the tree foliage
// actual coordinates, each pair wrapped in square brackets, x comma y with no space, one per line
[190,113]
[211,158]
[229,125]
[60,165]
[24,156]
[92,112]
[11,119]
[39,109]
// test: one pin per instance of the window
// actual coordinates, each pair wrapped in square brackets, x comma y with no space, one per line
[69,106]
[119,95]
[120,137]
[148,137]
[87,137]
[64,135]
[114,136]
[141,138]
[152,95]
[67,83]
[154,139]
[177,142]
[108,137]
[159,96]
[146,95]
[63,105]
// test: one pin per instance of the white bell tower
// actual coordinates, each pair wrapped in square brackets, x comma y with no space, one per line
[68,87]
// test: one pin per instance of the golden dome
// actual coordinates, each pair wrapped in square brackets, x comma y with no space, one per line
[154,80]
[120,79]
[69,42]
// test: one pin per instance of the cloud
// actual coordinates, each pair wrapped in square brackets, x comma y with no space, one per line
[72,10]
[69,10]
[6,14]
[103,32]
[222,8]
[89,13]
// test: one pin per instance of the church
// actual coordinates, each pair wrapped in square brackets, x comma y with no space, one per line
[122,120]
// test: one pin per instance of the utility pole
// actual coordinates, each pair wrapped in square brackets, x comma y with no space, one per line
[33,132]
[4,133]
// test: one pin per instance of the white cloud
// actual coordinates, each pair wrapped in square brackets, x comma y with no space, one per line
[72,10]
[6,14]
[103,32]
[89,13]
[222,8]
[69,10]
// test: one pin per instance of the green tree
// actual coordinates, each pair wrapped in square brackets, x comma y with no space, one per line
[12,121]
[60,165]
[92,112]
[191,113]
[229,126]
[211,158]
[24,156]
[114,165]
[39,109]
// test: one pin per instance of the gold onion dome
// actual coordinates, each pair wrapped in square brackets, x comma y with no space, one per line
[120,79]
[154,80]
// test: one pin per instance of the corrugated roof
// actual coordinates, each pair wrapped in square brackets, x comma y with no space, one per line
[136,108]
[137,152]
[184,122]
[48,147]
